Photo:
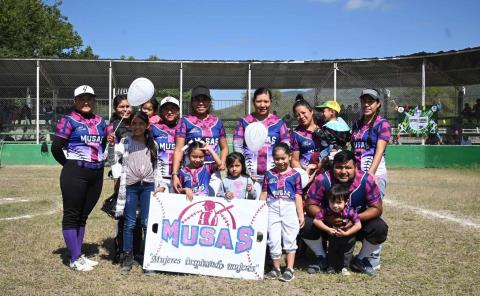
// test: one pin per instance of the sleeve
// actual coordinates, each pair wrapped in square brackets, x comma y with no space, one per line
[353,216]
[316,192]
[265,183]
[320,215]
[239,131]
[284,134]
[222,190]
[181,132]
[293,140]
[63,128]
[211,168]
[298,184]
[372,193]
[108,130]
[57,149]
[221,132]
[384,131]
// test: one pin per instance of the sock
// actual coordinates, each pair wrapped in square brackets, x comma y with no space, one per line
[70,237]
[80,235]
[367,249]
[316,246]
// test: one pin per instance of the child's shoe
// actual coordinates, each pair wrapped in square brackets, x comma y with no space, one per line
[287,275]
[273,274]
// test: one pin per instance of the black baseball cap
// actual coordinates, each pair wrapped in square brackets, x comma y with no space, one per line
[201,90]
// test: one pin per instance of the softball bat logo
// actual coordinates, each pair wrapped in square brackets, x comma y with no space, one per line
[208,223]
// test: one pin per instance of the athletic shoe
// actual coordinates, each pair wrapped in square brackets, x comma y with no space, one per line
[319,264]
[80,265]
[273,274]
[345,271]
[127,263]
[331,270]
[287,275]
[363,266]
[376,267]
[90,262]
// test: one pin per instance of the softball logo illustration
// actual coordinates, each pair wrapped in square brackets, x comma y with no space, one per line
[208,213]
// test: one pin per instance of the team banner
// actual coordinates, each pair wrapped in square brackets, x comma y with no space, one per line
[209,236]
[418,121]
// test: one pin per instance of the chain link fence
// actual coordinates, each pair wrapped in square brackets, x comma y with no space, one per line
[399,81]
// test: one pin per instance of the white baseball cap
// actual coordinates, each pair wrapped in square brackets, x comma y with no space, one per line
[169,100]
[83,89]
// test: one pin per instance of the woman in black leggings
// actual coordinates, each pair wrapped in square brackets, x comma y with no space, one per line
[78,146]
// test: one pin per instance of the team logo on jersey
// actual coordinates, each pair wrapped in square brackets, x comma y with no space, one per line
[208,223]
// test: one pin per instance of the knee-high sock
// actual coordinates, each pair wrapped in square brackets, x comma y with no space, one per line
[70,237]
[80,235]
[316,246]
[367,249]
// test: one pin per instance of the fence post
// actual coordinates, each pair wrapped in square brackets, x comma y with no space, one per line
[249,91]
[37,123]
[335,68]
[423,92]
[181,89]
[110,91]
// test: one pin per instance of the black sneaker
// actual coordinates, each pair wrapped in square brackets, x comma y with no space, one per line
[287,275]
[363,266]
[273,274]
[331,270]
[127,263]
[319,264]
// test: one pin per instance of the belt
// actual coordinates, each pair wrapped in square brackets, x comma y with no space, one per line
[142,183]
[89,165]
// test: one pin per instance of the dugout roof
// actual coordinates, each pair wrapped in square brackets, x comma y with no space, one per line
[453,68]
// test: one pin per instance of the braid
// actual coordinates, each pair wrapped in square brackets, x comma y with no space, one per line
[152,148]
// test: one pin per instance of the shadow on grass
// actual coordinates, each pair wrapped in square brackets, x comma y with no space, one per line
[87,249]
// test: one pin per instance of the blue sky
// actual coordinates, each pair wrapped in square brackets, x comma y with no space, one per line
[271,30]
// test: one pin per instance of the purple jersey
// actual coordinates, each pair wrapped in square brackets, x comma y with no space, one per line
[364,191]
[84,135]
[164,135]
[258,163]
[197,179]
[302,141]
[347,213]
[364,152]
[282,185]
[210,130]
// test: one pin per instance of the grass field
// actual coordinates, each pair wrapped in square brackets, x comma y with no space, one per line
[424,254]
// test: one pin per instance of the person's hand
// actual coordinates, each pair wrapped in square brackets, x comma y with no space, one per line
[159,190]
[340,233]
[373,176]
[189,194]
[347,225]
[206,148]
[332,231]
[301,221]
[334,221]
[111,139]
[249,187]
[176,183]
[222,167]
[229,195]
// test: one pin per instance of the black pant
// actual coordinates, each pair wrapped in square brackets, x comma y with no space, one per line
[81,189]
[340,251]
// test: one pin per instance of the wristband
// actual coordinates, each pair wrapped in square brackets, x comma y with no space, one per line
[174,174]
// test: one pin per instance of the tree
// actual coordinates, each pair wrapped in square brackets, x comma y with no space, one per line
[30,28]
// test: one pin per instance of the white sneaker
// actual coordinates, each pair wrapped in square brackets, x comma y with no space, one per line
[89,261]
[345,271]
[80,265]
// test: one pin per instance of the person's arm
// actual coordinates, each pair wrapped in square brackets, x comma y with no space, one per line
[177,159]
[299,206]
[379,150]
[350,231]
[296,159]
[323,227]
[212,152]
[223,153]
[57,149]
[372,212]
[263,196]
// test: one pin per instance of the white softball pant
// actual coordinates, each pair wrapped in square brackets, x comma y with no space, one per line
[282,226]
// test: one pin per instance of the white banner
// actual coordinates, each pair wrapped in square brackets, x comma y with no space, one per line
[209,236]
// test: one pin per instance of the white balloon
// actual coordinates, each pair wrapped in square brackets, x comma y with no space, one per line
[255,135]
[303,176]
[140,91]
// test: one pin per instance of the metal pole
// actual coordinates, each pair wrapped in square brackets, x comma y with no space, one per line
[38,103]
[181,89]
[249,91]
[335,81]
[423,92]
[110,91]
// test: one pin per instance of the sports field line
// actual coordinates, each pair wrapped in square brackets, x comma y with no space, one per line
[432,214]
[7,200]
[30,216]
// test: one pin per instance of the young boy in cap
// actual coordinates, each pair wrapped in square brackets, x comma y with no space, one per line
[332,136]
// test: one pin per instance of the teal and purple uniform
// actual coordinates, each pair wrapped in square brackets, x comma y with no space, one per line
[164,135]
[197,179]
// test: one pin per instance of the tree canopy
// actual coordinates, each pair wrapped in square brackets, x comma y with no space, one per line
[31,28]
